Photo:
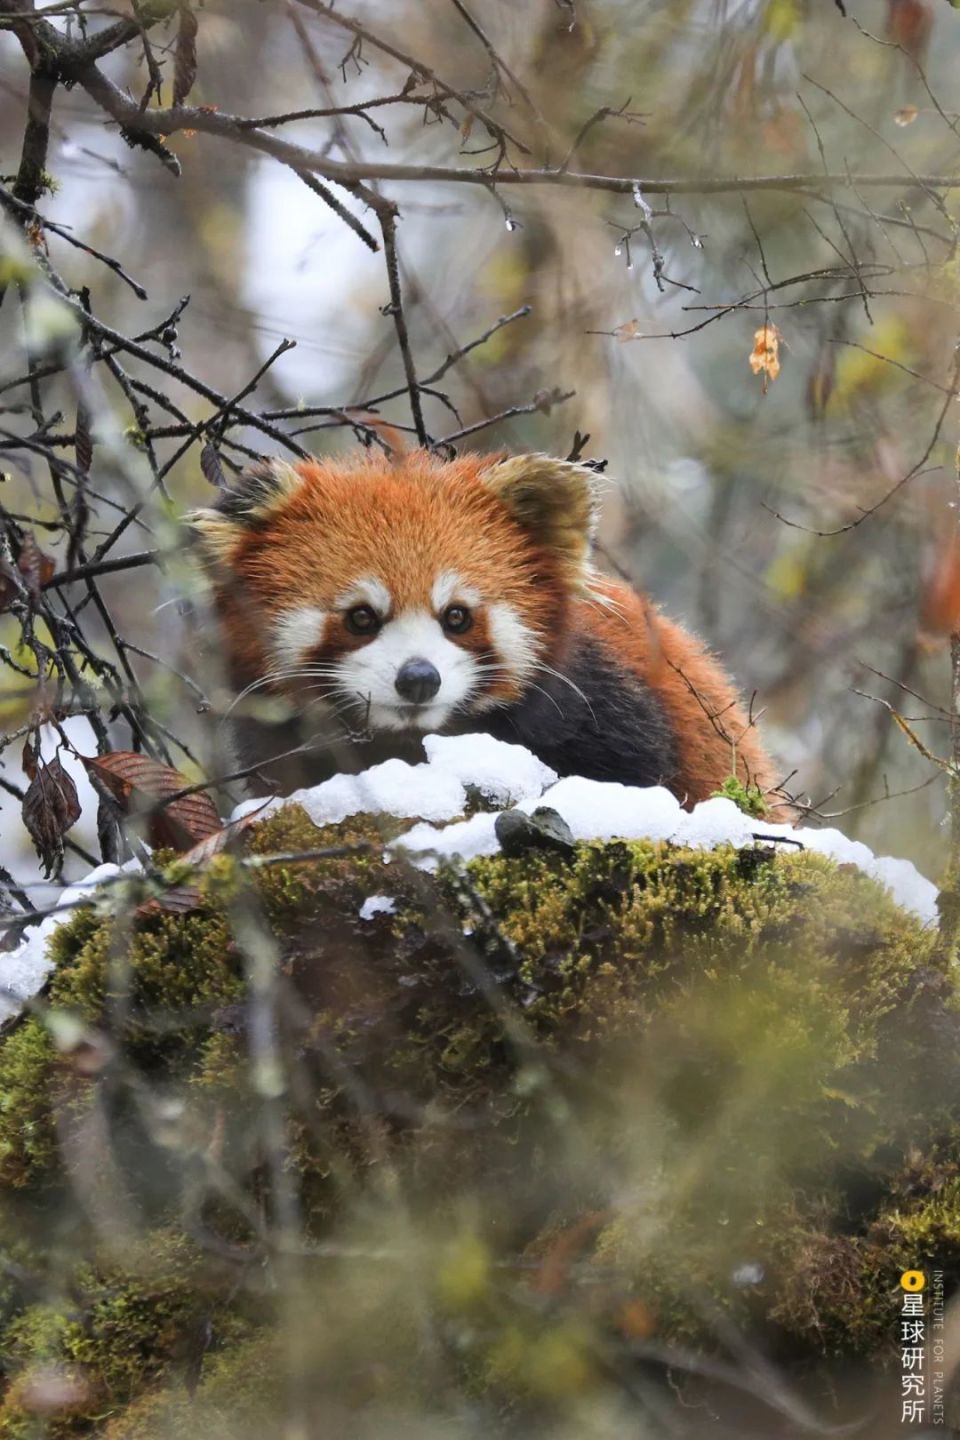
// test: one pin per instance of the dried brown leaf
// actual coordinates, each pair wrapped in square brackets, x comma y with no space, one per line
[35,566]
[28,760]
[83,443]
[185,56]
[33,569]
[211,466]
[142,785]
[50,807]
[217,842]
[178,900]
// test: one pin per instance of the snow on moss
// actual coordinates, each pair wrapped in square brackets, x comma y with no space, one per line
[436,794]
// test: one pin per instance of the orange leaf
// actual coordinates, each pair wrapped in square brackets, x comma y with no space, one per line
[765,355]
[143,787]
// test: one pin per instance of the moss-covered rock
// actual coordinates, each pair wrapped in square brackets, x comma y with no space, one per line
[474,1153]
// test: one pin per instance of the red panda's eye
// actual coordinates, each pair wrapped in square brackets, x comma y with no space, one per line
[362,620]
[456,619]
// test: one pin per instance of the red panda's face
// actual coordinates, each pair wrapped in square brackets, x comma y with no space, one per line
[402,595]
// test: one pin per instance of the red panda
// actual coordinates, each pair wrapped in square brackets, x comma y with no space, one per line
[383,600]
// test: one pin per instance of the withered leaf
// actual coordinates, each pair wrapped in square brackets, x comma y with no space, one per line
[140,785]
[33,570]
[185,58]
[180,899]
[50,806]
[28,760]
[217,841]
[35,567]
[211,466]
[83,443]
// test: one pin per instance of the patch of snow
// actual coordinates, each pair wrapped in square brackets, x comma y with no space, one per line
[392,788]
[837,846]
[260,807]
[409,792]
[907,886]
[601,809]
[377,905]
[436,791]
[464,841]
[23,971]
[501,772]
[714,822]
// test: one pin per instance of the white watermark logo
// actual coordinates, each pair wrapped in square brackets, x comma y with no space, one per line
[921,1348]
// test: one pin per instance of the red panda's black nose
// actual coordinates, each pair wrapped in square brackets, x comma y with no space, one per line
[417,681]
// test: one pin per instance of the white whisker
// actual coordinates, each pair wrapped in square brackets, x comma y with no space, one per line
[558,675]
[531,685]
[275,677]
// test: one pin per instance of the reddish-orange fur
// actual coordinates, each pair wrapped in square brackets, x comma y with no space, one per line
[338,525]
[710,724]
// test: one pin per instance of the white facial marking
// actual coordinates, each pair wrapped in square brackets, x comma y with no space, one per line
[296,633]
[368,590]
[369,674]
[449,587]
[516,644]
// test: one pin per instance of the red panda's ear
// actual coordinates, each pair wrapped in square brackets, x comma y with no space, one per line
[247,500]
[555,500]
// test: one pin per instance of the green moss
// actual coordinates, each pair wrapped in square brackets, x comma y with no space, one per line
[749,798]
[725,1058]
[27,1079]
[122,1328]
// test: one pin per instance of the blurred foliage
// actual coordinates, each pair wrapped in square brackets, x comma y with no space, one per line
[537,1132]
